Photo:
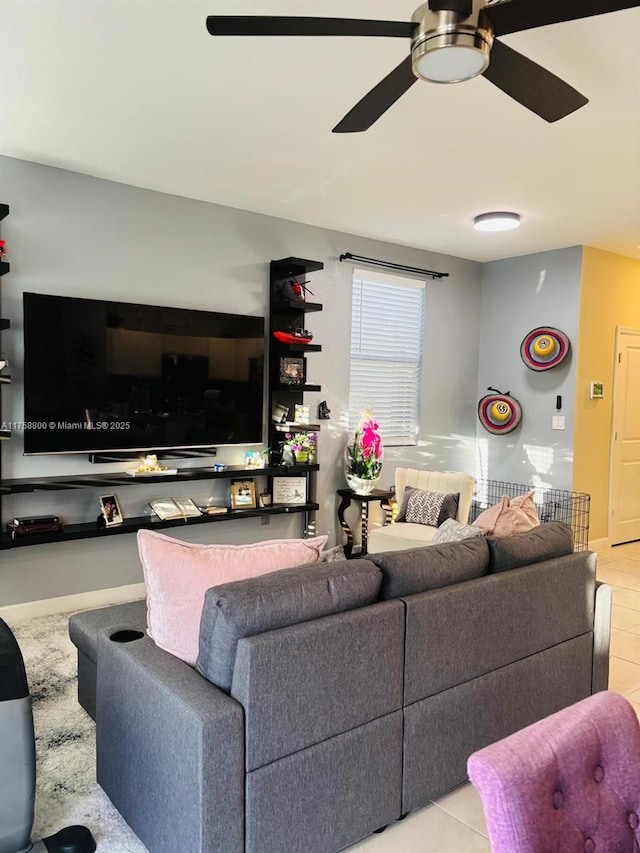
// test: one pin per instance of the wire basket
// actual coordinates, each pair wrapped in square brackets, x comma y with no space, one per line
[553,505]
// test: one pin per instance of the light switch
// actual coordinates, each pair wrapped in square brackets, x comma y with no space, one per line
[557,422]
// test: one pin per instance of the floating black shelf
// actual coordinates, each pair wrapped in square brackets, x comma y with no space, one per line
[300,347]
[87,481]
[4,324]
[4,267]
[297,307]
[90,530]
[301,387]
[293,267]
[5,433]
[4,210]
[292,426]
[5,380]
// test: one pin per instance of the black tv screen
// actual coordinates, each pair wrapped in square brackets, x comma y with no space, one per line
[114,376]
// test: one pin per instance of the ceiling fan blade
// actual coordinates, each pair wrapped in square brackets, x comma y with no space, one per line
[261,25]
[378,100]
[516,15]
[531,85]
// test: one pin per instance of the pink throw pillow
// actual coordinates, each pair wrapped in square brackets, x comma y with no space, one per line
[488,519]
[527,504]
[177,574]
[507,517]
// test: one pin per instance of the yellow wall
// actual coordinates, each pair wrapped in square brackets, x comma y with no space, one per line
[609,297]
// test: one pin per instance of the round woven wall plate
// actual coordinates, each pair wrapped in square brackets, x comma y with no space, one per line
[544,348]
[499,413]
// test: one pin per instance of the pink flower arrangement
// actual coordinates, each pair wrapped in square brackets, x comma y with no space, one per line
[364,454]
[301,441]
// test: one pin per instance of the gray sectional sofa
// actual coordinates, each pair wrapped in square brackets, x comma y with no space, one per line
[330,700]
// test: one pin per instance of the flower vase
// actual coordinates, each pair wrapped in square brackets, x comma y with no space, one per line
[287,456]
[363,456]
[302,457]
[359,485]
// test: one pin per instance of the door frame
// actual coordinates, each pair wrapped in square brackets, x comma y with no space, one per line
[620,331]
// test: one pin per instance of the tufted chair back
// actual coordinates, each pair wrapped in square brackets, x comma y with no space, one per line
[567,784]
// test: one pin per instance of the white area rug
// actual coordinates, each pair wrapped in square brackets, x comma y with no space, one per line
[67,792]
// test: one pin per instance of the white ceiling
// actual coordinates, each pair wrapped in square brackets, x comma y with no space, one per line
[137,91]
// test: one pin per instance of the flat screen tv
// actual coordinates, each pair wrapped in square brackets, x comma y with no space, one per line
[113,376]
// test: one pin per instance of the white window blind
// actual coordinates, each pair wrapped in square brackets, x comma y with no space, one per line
[387,327]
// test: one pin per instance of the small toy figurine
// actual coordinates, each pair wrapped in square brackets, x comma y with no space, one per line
[3,249]
[294,290]
[323,411]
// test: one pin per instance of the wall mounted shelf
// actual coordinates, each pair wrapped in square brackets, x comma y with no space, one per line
[282,307]
[99,481]
[90,530]
[300,347]
[292,426]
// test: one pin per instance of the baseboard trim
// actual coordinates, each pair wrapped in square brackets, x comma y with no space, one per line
[599,544]
[65,603]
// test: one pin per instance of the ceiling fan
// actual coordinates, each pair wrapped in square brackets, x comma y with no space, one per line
[451,41]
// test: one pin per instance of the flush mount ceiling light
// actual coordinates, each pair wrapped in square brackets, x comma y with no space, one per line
[447,49]
[498,221]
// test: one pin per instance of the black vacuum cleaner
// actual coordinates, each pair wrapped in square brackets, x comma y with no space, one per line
[18,764]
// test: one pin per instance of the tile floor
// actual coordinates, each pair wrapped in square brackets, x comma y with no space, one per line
[455,823]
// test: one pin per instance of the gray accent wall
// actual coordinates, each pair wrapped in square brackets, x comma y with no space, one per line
[518,295]
[75,235]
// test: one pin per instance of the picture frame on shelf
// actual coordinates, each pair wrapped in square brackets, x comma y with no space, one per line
[110,509]
[292,370]
[289,490]
[301,414]
[254,459]
[243,494]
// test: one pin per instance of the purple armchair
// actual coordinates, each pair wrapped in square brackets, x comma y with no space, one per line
[569,783]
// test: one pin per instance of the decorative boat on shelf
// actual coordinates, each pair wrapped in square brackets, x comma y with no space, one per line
[297,336]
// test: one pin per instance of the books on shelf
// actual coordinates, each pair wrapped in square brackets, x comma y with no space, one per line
[168,508]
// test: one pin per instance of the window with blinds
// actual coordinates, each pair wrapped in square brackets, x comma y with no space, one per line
[387,327]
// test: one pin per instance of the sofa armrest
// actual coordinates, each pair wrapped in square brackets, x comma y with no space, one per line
[601,637]
[170,749]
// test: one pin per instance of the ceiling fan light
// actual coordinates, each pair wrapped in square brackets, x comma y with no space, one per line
[497,221]
[451,57]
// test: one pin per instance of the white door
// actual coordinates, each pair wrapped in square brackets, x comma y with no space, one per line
[624,499]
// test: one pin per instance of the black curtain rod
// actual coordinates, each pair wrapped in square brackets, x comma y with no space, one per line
[391,266]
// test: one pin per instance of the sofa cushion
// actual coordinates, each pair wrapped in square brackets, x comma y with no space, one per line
[507,518]
[398,537]
[544,542]
[420,569]
[245,608]
[423,507]
[452,531]
[177,575]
